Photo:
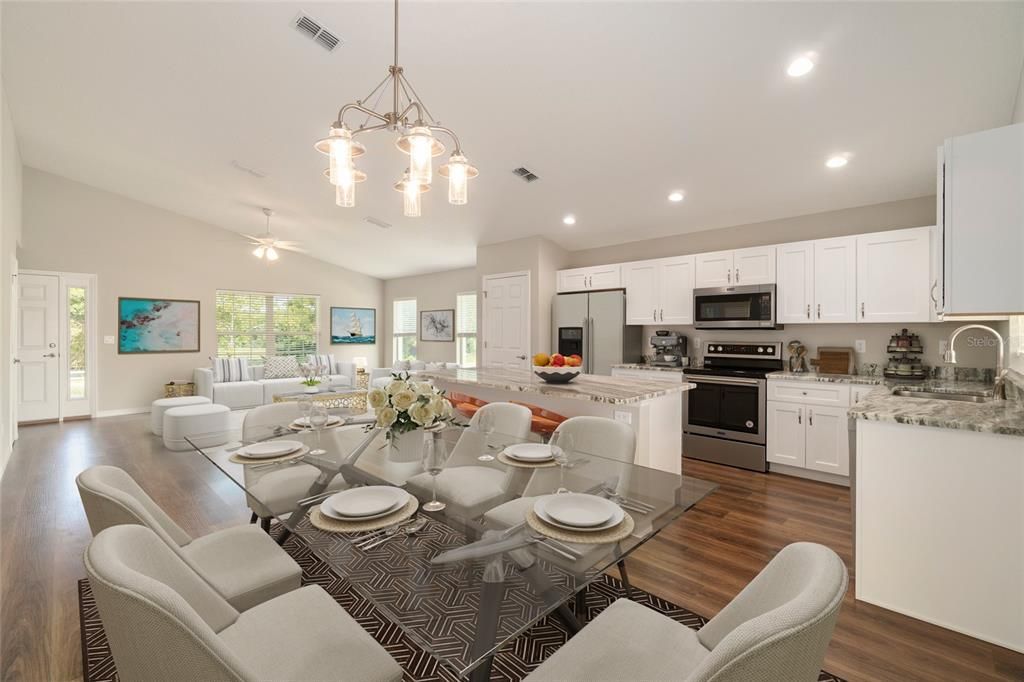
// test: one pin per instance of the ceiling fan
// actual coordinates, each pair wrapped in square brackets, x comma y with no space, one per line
[268,245]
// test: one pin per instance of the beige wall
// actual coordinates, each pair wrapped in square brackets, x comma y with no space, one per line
[875,218]
[10,234]
[1018,109]
[138,250]
[876,336]
[432,292]
[541,258]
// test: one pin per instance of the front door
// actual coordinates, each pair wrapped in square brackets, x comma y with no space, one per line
[507,321]
[38,335]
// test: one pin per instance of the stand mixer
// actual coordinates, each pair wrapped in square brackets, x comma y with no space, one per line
[669,349]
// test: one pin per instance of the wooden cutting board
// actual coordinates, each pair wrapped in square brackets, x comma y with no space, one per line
[835,360]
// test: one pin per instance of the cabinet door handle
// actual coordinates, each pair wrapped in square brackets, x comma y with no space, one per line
[819,311]
[800,416]
[728,276]
[810,417]
[661,314]
[808,311]
[737,275]
[862,309]
[935,299]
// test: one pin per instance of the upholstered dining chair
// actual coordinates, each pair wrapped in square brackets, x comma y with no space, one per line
[777,628]
[164,622]
[611,440]
[471,487]
[273,493]
[242,563]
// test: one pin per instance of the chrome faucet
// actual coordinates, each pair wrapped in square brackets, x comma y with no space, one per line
[999,390]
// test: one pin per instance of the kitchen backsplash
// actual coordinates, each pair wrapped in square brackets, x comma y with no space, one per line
[973,349]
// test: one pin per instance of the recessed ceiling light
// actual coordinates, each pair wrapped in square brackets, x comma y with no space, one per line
[801,66]
[569,219]
[837,161]
[676,196]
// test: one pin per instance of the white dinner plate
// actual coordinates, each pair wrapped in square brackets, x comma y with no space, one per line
[576,511]
[304,421]
[271,448]
[530,452]
[326,510]
[367,501]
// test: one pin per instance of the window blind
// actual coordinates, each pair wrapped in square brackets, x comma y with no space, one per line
[465,312]
[405,316]
[257,324]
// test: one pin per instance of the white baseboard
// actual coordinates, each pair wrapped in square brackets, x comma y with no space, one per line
[821,476]
[121,412]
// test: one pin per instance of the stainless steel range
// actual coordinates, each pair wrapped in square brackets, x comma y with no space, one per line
[724,418]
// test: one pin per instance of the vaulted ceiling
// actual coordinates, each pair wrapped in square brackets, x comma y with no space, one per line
[613,105]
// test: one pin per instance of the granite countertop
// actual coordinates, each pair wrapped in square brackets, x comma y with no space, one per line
[828,378]
[649,368]
[997,416]
[593,387]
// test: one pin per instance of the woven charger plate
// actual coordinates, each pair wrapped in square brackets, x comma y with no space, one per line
[602,537]
[505,459]
[241,459]
[303,429]
[335,526]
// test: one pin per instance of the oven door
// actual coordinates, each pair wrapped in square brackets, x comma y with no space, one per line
[748,307]
[726,407]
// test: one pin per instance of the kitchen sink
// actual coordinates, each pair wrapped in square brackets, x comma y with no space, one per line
[931,395]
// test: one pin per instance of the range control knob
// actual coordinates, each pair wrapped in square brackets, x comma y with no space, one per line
[760,349]
[719,349]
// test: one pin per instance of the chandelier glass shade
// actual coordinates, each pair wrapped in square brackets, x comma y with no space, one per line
[417,129]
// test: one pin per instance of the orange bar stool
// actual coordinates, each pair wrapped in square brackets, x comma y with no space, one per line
[543,422]
[465,405]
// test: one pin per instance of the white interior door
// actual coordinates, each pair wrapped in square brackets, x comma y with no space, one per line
[507,321]
[38,366]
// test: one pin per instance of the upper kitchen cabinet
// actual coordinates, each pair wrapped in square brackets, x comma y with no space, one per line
[894,276]
[590,278]
[743,266]
[835,280]
[659,291]
[981,213]
[794,296]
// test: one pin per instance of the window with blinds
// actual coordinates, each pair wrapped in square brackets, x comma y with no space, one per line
[256,325]
[465,329]
[403,329]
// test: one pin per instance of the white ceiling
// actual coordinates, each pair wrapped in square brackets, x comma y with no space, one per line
[612,104]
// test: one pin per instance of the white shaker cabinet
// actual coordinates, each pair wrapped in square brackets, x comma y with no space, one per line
[754,266]
[795,287]
[589,279]
[808,429]
[827,440]
[894,276]
[835,280]
[786,443]
[659,291]
[714,269]
[642,291]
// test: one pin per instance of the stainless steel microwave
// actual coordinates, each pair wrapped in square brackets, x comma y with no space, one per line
[740,307]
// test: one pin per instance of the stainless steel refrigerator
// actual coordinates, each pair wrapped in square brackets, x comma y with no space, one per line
[593,325]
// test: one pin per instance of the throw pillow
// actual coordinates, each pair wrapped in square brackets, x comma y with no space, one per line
[230,369]
[322,361]
[401,366]
[280,367]
[435,365]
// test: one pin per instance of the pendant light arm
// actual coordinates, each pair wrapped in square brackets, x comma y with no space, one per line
[450,133]
[358,107]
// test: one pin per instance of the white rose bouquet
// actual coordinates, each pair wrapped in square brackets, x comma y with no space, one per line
[406,405]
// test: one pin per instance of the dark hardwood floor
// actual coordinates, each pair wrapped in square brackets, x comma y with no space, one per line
[701,561]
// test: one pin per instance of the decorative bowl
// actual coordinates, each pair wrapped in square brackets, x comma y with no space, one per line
[557,375]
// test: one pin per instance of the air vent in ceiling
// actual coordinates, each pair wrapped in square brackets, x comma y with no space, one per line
[313,29]
[377,221]
[526,174]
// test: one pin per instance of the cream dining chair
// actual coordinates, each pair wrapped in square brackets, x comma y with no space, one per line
[164,622]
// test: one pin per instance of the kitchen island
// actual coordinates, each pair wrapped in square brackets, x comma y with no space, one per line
[652,408]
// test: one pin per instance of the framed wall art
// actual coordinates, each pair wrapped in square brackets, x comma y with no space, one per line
[157,325]
[437,325]
[353,325]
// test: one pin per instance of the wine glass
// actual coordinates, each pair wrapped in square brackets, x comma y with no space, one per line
[485,425]
[562,446]
[318,420]
[435,454]
[305,408]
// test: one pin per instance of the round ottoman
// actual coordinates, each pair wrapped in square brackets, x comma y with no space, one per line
[207,425]
[156,415]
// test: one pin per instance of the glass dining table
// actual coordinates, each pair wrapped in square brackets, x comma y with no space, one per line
[464,581]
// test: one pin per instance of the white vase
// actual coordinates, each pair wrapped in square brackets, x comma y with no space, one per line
[312,389]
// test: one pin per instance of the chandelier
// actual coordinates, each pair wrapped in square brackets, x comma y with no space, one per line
[411,119]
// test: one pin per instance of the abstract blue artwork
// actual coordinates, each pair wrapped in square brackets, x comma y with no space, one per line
[353,325]
[157,325]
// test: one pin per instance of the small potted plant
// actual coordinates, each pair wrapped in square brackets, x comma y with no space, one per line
[310,378]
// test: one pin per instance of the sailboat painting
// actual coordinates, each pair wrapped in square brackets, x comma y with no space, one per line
[353,325]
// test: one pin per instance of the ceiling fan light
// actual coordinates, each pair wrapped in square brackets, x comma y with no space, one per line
[458,171]
[259,251]
[271,253]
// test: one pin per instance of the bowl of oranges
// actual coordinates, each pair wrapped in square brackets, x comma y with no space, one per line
[557,368]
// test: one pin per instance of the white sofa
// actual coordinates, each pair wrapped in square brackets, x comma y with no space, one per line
[240,395]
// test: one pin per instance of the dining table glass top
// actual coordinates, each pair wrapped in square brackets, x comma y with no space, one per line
[465,580]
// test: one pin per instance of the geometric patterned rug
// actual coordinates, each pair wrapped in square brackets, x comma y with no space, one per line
[512,663]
